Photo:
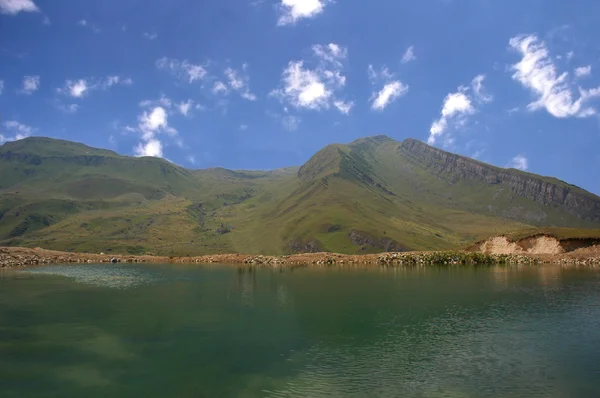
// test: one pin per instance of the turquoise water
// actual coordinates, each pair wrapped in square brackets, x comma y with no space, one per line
[189,331]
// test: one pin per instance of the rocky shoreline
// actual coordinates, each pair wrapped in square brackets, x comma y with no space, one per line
[20,257]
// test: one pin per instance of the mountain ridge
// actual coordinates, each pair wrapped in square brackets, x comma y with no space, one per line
[370,195]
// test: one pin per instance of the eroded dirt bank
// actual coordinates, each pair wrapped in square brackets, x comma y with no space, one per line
[493,251]
[537,245]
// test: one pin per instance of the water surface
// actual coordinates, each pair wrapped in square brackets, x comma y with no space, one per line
[200,331]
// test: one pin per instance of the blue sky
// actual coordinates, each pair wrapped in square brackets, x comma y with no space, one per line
[265,84]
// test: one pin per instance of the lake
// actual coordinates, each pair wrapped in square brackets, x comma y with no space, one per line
[219,331]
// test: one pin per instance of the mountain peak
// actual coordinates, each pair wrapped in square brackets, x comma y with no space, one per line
[372,140]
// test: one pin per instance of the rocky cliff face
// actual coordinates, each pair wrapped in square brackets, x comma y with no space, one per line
[542,190]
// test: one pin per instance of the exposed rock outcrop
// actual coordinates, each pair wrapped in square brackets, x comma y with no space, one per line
[361,238]
[543,190]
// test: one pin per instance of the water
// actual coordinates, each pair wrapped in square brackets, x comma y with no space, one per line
[188,331]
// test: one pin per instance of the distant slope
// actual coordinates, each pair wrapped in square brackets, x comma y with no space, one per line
[372,195]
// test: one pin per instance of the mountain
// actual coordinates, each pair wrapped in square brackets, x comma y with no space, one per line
[371,195]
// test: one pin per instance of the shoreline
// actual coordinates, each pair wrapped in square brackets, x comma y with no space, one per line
[11,257]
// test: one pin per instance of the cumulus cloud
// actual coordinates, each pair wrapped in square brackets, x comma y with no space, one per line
[553,92]
[17,130]
[292,11]
[519,162]
[388,94]
[315,89]
[304,88]
[152,123]
[13,7]
[182,69]
[583,71]
[409,55]
[30,85]
[238,81]
[152,147]
[457,108]
[391,90]
[81,87]
[77,88]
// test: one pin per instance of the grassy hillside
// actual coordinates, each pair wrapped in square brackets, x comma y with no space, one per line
[372,195]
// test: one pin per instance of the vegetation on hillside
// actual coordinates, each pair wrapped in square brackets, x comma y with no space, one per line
[375,191]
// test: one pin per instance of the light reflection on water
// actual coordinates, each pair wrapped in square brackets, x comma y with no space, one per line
[122,330]
[102,275]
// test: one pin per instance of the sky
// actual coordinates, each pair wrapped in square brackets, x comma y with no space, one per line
[264,84]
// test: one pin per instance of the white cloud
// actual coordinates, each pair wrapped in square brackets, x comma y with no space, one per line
[13,7]
[304,88]
[30,85]
[238,81]
[456,106]
[388,94]
[112,140]
[583,71]
[570,55]
[384,74]
[151,123]
[293,10]
[191,159]
[163,101]
[185,107]
[243,127]
[1,86]
[110,81]
[409,55]
[150,36]
[77,88]
[46,21]
[82,22]
[18,131]
[315,88]
[331,52]
[182,69]
[81,87]
[391,90]
[220,88]
[519,162]
[152,147]
[478,89]
[537,72]
[344,107]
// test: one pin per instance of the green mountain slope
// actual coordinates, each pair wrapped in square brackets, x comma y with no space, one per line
[372,195]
